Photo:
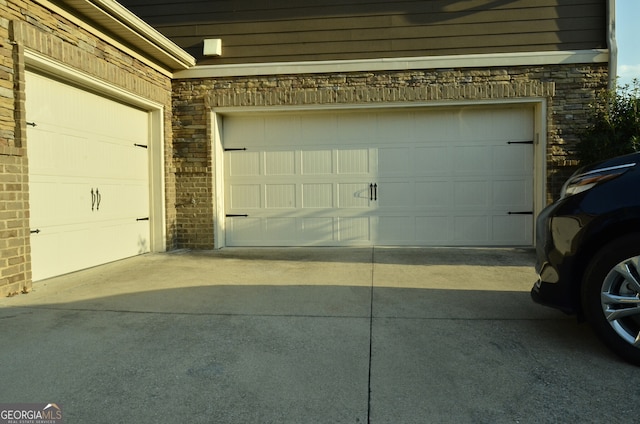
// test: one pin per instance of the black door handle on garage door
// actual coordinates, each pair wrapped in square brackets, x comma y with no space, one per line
[95,199]
[373,191]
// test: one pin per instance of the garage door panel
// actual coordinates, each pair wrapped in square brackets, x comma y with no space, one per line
[471,230]
[54,202]
[282,130]
[113,194]
[243,164]
[472,160]
[121,162]
[45,143]
[512,159]
[353,195]
[354,230]
[120,238]
[437,125]
[395,195]
[88,182]
[244,231]
[317,195]
[432,161]
[316,162]
[244,196]
[54,247]
[353,161]
[316,129]
[512,229]
[317,230]
[87,245]
[356,128]
[394,161]
[280,163]
[396,230]
[394,127]
[515,123]
[70,109]
[434,230]
[510,194]
[280,229]
[280,196]
[434,195]
[472,126]
[471,195]
[406,177]
[64,202]
[239,129]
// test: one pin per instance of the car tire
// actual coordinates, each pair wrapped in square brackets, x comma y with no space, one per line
[611,296]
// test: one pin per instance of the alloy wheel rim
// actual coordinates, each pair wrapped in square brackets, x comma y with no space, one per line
[620,300]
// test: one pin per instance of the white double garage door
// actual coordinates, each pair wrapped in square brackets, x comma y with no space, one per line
[420,177]
[88,177]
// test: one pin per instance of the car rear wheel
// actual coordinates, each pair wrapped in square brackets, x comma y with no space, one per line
[611,296]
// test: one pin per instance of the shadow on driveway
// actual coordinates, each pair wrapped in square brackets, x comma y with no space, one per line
[308,336]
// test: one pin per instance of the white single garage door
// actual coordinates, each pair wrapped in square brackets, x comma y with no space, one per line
[88,178]
[417,177]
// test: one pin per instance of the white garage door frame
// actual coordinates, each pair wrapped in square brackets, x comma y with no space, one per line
[157,217]
[216,121]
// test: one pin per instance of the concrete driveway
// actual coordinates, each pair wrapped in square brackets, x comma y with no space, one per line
[324,335]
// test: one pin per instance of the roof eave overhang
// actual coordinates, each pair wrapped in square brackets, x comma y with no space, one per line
[126,26]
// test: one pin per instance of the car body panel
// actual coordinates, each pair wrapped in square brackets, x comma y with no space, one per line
[571,230]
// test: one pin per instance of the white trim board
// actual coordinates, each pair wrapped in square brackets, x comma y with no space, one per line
[391,64]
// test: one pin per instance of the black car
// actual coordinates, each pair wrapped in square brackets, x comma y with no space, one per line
[588,252]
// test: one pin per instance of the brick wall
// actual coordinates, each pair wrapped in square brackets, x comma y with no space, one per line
[14,230]
[26,25]
[194,168]
[568,90]
[15,274]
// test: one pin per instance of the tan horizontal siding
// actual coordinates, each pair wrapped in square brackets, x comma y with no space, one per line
[161,12]
[583,25]
[362,29]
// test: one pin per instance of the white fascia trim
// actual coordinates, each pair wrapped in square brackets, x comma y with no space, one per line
[393,64]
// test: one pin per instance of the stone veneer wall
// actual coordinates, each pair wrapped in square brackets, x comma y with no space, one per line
[27,25]
[568,90]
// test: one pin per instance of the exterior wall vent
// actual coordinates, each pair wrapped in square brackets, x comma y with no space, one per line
[212,47]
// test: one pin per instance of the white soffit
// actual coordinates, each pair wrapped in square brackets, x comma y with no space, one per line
[393,64]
